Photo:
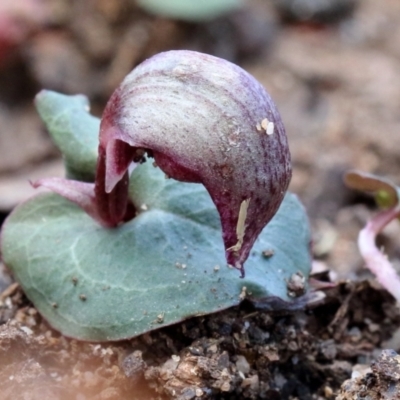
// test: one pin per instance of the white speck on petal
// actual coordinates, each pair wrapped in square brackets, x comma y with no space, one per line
[270,128]
[240,227]
[264,123]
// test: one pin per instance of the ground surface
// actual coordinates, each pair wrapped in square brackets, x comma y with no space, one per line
[338,89]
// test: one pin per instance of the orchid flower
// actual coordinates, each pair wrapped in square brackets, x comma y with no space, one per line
[203,120]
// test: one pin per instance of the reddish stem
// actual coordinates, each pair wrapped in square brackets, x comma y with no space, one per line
[111,207]
[375,260]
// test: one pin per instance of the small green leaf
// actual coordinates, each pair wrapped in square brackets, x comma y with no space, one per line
[165,265]
[74,131]
[386,193]
[196,11]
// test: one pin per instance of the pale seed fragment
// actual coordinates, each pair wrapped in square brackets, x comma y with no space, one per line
[160,318]
[243,293]
[264,124]
[270,128]
[240,227]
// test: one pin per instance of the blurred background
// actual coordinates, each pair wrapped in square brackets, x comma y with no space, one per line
[332,66]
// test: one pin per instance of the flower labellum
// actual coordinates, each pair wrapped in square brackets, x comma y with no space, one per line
[199,117]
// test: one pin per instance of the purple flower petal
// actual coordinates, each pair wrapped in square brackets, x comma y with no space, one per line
[204,120]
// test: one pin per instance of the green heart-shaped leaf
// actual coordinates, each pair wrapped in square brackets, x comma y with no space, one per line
[74,131]
[163,266]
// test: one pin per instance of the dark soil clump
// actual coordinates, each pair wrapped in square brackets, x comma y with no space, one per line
[239,353]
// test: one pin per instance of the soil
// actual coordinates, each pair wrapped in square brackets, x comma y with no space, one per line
[334,74]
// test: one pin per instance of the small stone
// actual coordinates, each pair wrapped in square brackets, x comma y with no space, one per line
[242,365]
[225,387]
[296,284]
[176,358]
[253,382]
[242,294]
[133,365]
[213,349]
[160,318]
[187,393]
[328,392]
[268,253]
[27,330]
